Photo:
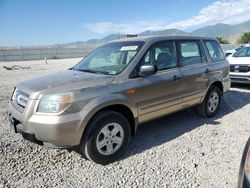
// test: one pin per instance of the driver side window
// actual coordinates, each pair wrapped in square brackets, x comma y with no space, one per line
[162,55]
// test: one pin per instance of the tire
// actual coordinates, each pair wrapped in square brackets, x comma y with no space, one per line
[242,179]
[206,108]
[99,143]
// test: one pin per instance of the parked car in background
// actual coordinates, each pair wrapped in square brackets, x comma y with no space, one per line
[240,65]
[244,172]
[233,51]
[98,104]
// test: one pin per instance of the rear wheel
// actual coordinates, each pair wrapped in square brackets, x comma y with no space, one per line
[211,103]
[106,137]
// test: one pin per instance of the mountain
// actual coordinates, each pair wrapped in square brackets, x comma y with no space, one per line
[105,39]
[144,33]
[111,37]
[230,32]
[215,30]
[171,32]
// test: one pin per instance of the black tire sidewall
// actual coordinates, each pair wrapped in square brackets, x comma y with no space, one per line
[242,180]
[96,126]
[211,90]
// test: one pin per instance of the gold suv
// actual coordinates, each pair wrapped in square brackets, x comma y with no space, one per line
[98,104]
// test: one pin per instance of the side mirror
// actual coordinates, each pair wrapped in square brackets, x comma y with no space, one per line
[146,70]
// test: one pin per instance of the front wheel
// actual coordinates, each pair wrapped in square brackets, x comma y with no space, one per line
[106,137]
[211,103]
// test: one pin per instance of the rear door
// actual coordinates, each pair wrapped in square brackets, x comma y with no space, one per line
[219,67]
[194,70]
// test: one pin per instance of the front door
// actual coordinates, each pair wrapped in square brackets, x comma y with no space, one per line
[159,94]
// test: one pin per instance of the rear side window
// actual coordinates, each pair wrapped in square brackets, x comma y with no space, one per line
[190,53]
[214,50]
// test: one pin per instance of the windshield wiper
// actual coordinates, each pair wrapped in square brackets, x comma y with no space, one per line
[92,71]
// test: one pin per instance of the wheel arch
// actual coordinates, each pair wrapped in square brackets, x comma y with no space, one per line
[124,110]
[117,103]
[217,83]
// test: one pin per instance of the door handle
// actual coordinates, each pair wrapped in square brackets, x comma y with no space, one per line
[176,77]
[208,71]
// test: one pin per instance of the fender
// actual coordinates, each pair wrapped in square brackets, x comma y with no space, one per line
[209,84]
[101,102]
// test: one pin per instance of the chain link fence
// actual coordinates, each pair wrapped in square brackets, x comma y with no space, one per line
[226,47]
[57,51]
[42,52]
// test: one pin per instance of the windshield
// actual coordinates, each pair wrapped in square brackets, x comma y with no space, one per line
[243,52]
[110,59]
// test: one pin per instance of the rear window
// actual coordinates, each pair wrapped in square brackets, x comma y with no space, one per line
[214,50]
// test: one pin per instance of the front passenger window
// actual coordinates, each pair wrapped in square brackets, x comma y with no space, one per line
[162,55]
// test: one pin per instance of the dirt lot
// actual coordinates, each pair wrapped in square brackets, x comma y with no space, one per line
[180,150]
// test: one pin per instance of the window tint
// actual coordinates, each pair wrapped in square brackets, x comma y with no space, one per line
[215,51]
[162,55]
[190,53]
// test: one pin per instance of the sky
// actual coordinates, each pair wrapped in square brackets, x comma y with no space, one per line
[40,22]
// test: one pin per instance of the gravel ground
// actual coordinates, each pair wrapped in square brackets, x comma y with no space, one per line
[180,150]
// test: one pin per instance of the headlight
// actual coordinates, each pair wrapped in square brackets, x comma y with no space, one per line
[14,94]
[55,103]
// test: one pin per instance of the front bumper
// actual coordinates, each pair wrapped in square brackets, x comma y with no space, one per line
[28,136]
[226,84]
[62,131]
[240,78]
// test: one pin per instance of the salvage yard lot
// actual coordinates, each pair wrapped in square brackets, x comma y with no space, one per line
[179,150]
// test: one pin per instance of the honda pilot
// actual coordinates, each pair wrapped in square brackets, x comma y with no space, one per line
[98,104]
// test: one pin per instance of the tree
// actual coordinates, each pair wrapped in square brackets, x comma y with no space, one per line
[245,38]
[222,40]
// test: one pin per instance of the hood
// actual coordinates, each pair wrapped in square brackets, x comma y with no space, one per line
[62,81]
[239,60]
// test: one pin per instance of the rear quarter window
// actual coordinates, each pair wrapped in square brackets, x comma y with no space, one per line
[215,51]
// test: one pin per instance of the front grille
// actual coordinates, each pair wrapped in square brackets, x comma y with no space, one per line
[239,68]
[20,98]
